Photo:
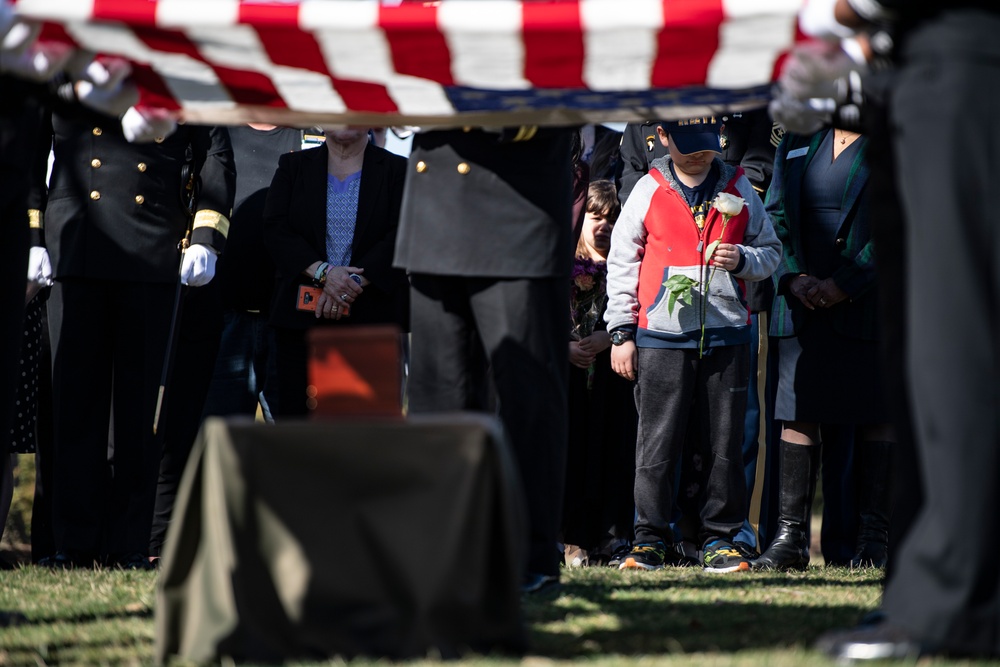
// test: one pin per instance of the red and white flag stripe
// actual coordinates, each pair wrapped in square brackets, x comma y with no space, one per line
[433,63]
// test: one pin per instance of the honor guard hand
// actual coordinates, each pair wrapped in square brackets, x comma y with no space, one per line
[103,86]
[39,267]
[198,267]
[143,126]
[22,56]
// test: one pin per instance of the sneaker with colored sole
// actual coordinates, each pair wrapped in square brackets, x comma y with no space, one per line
[720,556]
[645,557]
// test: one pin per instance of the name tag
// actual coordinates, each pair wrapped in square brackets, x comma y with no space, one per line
[798,152]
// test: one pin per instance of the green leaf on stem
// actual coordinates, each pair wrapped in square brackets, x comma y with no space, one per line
[711,248]
[678,288]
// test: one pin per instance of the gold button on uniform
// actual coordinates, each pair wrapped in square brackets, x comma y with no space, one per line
[95,195]
[158,140]
[97,131]
[139,199]
[141,166]
[95,163]
[463,168]
[421,167]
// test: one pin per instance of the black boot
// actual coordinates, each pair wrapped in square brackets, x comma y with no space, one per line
[874,475]
[789,550]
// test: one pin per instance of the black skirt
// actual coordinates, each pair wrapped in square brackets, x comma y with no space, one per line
[825,377]
[22,436]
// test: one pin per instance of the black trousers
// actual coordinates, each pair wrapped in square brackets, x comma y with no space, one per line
[197,347]
[108,341]
[945,587]
[679,396]
[519,326]
[292,355]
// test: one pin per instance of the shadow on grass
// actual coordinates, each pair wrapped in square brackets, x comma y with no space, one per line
[600,613]
[644,627]
[38,620]
[782,579]
[698,581]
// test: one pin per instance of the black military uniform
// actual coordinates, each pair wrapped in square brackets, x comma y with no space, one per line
[212,376]
[115,215]
[485,234]
[944,593]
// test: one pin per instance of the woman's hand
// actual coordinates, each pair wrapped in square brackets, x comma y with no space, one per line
[726,256]
[826,294]
[596,342]
[800,285]
[341,288]
[578,356]
[624,359]
[329,308]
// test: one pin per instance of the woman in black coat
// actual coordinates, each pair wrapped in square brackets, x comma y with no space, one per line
[330,222]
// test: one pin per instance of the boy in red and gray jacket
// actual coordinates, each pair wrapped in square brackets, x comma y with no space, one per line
[693,230]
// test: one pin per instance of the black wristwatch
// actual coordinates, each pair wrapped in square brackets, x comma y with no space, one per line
[619,336]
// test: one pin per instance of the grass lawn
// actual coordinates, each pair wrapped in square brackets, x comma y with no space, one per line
[600,617]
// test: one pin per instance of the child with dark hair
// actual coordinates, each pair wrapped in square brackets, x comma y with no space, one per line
[691,234]
[597,519]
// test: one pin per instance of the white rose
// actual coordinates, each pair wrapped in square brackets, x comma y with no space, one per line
[727,204]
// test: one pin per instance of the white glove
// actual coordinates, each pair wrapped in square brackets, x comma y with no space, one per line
[7,17]
[813,69]
[102,86]
[198,267]
[798,116]
[35,61]
[145,125]
[16,35]
[39,267]
[817,19]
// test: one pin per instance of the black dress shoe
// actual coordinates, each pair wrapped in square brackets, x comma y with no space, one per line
[882,641]
[539,583]
[67,560]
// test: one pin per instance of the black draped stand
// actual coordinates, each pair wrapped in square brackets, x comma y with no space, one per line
[341,538]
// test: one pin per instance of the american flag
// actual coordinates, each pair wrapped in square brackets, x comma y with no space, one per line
[443,63]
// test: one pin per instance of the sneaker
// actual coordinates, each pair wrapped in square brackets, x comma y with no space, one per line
[721,556]
[645,557]
[619,554]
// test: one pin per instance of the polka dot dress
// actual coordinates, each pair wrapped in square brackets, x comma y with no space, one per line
[22,435]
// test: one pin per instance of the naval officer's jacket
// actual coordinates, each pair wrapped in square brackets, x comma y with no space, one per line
[495,204]
[117,210]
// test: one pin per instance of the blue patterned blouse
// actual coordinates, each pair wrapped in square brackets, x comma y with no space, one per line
[341,217]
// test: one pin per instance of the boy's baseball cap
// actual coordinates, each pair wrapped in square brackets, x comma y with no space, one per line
[693,135]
